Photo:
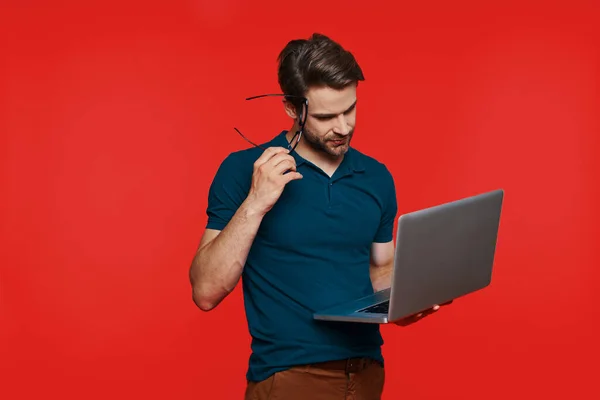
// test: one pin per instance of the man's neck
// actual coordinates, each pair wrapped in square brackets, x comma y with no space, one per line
[326,162]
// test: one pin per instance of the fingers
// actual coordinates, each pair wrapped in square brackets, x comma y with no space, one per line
[417,317]
[286,169]
[285,165]
[272,160]
[268,154]
[282,162]
[278,161]
[290,176]
[279,164]
[427,312]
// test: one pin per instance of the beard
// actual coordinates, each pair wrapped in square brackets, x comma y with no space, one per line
[326,144]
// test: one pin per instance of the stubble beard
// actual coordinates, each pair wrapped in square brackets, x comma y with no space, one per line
[325,146]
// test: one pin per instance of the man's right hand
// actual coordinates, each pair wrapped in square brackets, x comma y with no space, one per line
[269,178]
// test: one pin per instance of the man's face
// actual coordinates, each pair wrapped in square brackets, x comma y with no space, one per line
[331,119]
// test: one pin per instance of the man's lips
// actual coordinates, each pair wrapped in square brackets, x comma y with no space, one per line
[338,141]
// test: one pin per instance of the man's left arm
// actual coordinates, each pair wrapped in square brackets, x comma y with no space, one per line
[382,247]
[381,264]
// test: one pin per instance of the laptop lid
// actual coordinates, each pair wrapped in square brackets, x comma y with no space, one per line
[444,252]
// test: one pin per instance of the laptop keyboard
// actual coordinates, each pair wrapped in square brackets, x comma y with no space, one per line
[381,308]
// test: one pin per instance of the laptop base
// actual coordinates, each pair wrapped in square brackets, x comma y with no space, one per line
[355,311]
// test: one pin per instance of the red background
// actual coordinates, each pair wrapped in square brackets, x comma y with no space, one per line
[115,116]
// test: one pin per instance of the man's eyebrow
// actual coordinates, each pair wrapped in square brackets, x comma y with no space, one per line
[333,115]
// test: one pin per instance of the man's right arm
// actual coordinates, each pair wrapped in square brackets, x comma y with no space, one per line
[221,255]
[219,261]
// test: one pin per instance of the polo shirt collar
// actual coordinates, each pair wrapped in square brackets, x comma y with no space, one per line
[355,160]
[352,160]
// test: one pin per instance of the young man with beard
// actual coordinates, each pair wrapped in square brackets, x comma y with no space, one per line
[304,229]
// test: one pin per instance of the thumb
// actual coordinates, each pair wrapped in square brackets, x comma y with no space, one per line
[293,176]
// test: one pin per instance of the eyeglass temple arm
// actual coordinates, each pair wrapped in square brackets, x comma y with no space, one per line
[277,95]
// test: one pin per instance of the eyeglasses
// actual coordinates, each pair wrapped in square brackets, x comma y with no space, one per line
[301,120]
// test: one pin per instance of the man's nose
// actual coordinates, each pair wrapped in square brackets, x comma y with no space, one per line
[341,126]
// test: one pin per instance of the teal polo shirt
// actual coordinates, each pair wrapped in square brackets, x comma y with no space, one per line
[311,252]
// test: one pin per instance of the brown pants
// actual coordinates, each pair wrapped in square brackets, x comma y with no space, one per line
[356,379]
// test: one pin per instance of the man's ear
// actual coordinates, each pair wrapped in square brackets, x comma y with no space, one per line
[290,109]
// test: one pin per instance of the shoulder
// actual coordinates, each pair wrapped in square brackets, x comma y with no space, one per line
[245,157]
[374,168]
[241,162]
[238,164]
[378,176]
[233,178]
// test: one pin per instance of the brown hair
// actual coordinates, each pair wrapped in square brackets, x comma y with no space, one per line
[316,61]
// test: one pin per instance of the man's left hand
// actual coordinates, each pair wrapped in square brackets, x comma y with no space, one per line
[418,317]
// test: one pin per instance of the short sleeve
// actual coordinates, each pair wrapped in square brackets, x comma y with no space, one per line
[390,208]
[227,191]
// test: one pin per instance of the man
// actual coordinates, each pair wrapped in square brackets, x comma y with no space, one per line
[304,230]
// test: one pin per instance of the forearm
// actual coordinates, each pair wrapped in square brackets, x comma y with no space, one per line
[218,265]
[381,276]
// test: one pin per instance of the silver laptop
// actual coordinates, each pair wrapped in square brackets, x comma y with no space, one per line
[442,253]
